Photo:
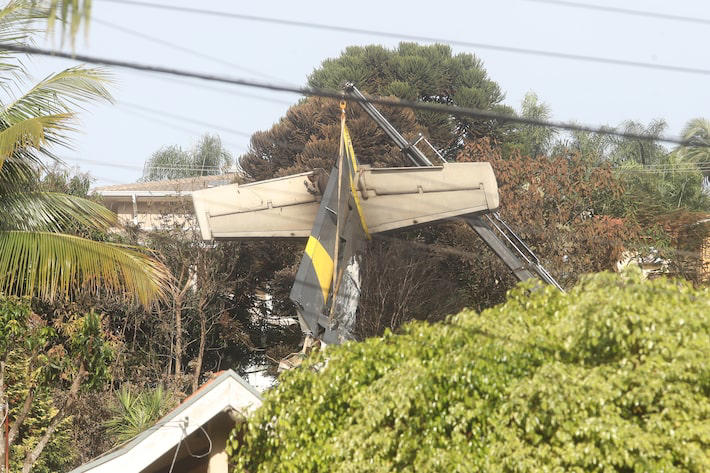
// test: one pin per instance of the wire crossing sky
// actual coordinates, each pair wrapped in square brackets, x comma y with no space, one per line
[334,94]
[625,11]
[598,94]
[426,39]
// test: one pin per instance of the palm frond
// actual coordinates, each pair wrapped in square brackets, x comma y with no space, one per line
[697,128]
[52,212]
[43,115]
[20,172]
[71,14]
[133,413]
[59,93]
[31,132]
[17,27]
[50,265]
[697,132]
[13,20]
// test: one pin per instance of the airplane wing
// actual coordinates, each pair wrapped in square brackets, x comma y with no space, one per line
[391,198]
[359,202]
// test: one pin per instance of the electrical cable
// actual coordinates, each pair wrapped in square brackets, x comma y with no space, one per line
[239,147]
[69,163]
[137,167]
[185,119]
[690,167]
[625,134]
[664,171]
[202,455]
[685,167]
[413,37]
[549,124]
[183,49]
[465,112]
[177,449]
[124,166]
[624,11]
[652,165]
[221,90]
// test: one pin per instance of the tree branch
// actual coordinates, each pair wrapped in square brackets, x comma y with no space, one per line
[33,455]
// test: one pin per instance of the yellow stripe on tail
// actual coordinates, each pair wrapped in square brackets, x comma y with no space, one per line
[322,264]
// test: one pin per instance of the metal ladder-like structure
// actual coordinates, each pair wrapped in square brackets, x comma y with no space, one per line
[497,234]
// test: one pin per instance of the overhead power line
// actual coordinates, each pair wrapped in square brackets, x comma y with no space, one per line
[665,171]
[137,167]
[186,119]
[221,90]
[675,165]
[624,11]
[183,49]
[145,116]
[157,116]
[412,37]
[465,112]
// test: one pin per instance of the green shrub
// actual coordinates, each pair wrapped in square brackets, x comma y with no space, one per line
[610,377]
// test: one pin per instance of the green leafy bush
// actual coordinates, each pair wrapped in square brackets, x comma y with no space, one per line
[44,364]
[610,377]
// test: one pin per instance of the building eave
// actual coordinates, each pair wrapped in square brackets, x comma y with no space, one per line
[180,417]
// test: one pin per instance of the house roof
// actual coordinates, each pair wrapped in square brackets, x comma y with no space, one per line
[227,391]
[187,184]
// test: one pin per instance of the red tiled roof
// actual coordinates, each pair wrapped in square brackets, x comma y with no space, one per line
[202,388]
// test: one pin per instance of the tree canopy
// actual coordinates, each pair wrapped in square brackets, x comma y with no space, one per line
[307,136]
[579,200]
[610,377]
[40,356]
[697,131]
[562,207]
[207,157]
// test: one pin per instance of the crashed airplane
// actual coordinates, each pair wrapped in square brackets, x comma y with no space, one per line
[339,211]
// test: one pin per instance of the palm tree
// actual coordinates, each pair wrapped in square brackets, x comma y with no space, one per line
[697,133]
[133,413]
[37,254]
[535,140]
[70,13]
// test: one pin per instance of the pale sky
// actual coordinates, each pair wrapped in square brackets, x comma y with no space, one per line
[116,139]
